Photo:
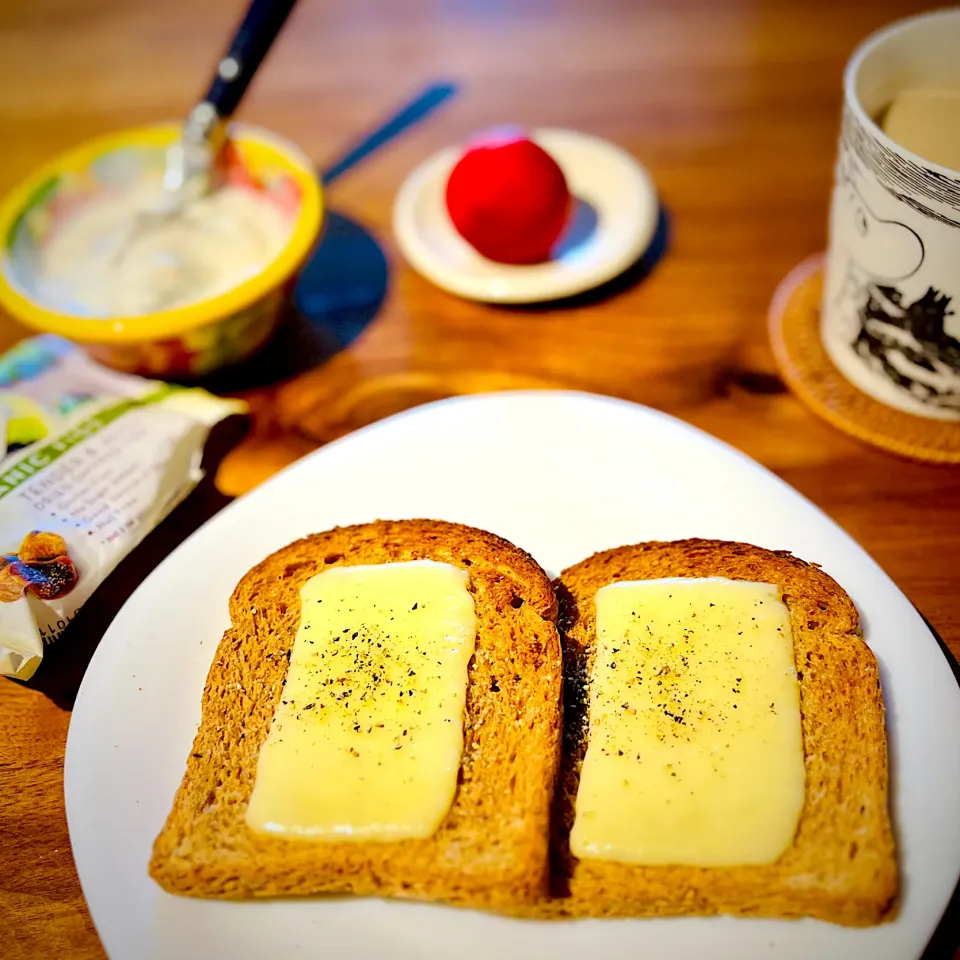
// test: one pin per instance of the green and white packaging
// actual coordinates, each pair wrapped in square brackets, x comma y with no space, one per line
[92,461]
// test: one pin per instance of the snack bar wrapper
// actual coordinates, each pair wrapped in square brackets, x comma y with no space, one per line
[92,461]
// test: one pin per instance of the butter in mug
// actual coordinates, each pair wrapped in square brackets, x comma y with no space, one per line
[366,742]
[926,121]
[695,751]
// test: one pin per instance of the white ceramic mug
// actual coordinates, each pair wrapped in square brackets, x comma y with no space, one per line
[891,305]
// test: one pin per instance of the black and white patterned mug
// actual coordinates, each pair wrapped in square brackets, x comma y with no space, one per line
[891,305]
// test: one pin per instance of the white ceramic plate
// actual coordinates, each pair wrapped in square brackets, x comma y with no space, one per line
[562,475]
[614,222]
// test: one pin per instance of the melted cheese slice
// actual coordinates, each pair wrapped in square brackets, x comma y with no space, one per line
[367,740]
[695,754]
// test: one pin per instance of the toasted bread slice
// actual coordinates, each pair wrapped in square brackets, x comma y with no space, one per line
[492,848]
[841,864]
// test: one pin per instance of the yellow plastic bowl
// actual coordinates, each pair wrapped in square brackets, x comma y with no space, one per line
[186,341]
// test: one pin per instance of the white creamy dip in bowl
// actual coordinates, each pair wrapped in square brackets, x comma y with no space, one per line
[173,296]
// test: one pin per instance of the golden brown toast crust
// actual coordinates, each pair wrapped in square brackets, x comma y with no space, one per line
[492,848]
[841,865]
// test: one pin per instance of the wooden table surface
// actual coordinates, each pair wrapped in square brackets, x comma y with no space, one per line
[732,105]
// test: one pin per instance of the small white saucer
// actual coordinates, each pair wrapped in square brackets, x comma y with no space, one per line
[613,223]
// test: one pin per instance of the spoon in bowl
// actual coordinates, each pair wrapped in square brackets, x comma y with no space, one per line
[191,160]
[190,165]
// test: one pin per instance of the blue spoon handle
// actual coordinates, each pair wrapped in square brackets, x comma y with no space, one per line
[405,117]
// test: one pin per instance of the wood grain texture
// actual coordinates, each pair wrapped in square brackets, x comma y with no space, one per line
[732,105]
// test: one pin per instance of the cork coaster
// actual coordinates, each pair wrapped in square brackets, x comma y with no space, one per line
[805,366]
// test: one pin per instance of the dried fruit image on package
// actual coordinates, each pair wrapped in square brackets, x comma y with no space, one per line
[41,566]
